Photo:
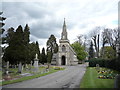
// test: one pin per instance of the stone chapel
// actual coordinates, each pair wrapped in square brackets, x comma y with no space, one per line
[66,54]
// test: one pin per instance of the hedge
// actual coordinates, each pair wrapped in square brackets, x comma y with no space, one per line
[113,64]
[93,62]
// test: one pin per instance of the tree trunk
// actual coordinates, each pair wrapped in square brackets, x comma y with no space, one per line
[98,47]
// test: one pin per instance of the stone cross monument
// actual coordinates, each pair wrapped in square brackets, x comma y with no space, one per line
[36,63]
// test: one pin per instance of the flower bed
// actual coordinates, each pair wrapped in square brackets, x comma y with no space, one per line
[57,68]
[104,73]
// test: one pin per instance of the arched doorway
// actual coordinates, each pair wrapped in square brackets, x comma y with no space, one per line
[63,61]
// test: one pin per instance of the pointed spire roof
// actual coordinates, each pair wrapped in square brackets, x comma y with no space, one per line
[64,26]
[64,23]
[64,31]
[64,38]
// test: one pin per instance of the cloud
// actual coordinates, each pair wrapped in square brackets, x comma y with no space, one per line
[45,17]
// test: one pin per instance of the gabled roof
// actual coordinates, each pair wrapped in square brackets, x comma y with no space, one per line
[72,49]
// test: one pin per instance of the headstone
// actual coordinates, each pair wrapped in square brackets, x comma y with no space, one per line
[15,66]
[117,81]
[7,65]
[7,76]
[22,67]
[19,67]
[35,63]
[97,66]
[7,68]
[26,66]
[31,63]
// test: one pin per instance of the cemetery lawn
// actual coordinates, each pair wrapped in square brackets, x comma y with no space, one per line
[91,80]
[52,70]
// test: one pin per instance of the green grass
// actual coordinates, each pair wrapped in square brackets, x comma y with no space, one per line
[27,77]
[91,80]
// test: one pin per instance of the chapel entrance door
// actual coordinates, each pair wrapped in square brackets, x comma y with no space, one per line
[63,60]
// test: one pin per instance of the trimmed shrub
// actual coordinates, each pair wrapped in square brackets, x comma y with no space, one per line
[112,64]
[93,62]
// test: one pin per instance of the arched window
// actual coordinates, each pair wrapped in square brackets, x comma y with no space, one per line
[63,48]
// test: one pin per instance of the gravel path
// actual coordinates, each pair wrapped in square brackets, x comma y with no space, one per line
[68,78]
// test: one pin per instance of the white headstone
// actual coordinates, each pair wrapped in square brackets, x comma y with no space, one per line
[22,67]
[7,65]
[15,66]
[19,67]
[31,63]
[36,63]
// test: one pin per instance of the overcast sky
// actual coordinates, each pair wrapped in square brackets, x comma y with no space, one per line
[45,17]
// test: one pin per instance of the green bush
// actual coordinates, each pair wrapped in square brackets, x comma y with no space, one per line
[112,64]
[93,62]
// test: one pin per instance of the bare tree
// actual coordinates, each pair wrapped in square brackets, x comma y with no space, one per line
[104,40]
[112,37]
[80,39]
[96,38]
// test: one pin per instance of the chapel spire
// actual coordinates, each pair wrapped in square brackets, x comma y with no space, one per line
[64,26]
[64,31]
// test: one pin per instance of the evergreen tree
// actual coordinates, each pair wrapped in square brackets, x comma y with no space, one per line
[19,47]
[43,56]
[9,51]
[56,48]
[32,51]
[91,51]
[26,34]
[16,50]
[26,39]
[38,49]
[52,47]
[10,36]
[49,56]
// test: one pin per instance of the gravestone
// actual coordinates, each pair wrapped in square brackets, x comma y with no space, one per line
[97,66]
[22,67]
[36,68]
[7,76]
[19,67]
[15,66]
[26,67]
[31,65]
[117,81]
[7,68]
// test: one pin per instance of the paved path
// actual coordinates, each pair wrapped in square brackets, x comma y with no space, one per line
[68,78]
